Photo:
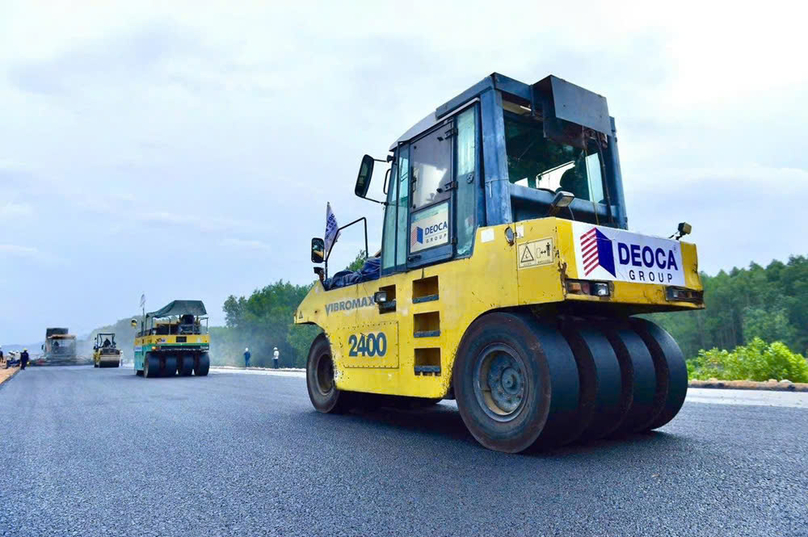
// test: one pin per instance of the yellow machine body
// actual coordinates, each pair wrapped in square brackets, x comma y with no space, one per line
[410,349]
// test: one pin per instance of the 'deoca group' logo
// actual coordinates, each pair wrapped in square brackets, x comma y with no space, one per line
[429,234]
[612,254]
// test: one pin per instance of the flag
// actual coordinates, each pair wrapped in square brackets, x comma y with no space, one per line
[331,229]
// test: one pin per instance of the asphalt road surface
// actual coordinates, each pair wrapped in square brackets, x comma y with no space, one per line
[103,452]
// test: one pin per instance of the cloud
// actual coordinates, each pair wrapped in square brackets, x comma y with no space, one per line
[180,219]
[18,251]
[135,55]
[11,210]
[246,244]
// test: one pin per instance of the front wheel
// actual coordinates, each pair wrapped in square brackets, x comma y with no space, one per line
[320,382]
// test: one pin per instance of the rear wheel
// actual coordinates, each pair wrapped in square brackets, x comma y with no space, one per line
[202,365]
[323,392]
[670,365]
[516,382]
[170,366]
[185,365]
[603,402]
[151,366]
[637,364]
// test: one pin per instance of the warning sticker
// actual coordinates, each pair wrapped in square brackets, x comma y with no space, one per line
[535,253]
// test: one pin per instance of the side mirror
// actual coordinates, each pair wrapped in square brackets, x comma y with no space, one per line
[317,250]
[363,179]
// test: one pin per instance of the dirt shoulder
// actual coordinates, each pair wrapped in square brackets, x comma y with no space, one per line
[6,374]
[773,385]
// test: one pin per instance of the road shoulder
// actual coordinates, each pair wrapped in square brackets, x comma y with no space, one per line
[6,374]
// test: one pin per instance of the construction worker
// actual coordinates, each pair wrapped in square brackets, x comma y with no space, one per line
[247,357]
[275,355]
[107,343]
[24,359]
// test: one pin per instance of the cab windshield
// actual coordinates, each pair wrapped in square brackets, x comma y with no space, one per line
[540,163]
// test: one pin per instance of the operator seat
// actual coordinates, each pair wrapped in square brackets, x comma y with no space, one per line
[574,182]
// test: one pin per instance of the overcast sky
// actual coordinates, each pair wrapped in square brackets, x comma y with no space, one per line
[188,152]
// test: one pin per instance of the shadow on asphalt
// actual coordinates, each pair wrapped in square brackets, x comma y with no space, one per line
[446,422]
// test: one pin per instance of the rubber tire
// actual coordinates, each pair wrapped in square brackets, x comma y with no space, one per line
[551,382]
[202,365]
[601,407]
[333,401]
[668,358]
[185,365]
[170,366]
[634,356]
[151,366]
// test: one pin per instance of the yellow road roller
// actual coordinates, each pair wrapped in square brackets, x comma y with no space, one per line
[105,352]
[507,279]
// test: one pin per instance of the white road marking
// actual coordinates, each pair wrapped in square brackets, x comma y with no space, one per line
[718,396]
[299,373]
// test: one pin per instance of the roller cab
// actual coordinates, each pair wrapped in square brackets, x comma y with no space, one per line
[507,278]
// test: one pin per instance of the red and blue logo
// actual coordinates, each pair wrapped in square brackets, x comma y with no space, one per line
[417,235]
[597,251]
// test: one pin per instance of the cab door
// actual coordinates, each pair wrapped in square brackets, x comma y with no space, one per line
[431,162]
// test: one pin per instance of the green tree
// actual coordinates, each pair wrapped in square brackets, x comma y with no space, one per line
[768,325]
[357,263]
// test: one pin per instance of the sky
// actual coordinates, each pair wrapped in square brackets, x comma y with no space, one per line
[188,149]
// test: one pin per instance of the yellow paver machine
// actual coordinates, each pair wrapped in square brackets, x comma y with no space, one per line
[508,279]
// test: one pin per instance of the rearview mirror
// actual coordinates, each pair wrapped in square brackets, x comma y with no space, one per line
[365,174]
[317,250]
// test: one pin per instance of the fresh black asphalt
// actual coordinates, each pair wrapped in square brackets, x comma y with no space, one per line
[103,452]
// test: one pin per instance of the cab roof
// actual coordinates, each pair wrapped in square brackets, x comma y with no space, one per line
[180,307]
[566,101]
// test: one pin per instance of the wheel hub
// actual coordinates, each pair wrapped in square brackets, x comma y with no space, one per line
[500,382]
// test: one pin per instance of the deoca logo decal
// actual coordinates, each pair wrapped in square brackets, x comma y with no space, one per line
[613,254]
[430,228]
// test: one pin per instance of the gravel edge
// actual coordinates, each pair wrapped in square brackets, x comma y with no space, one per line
[770,385]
